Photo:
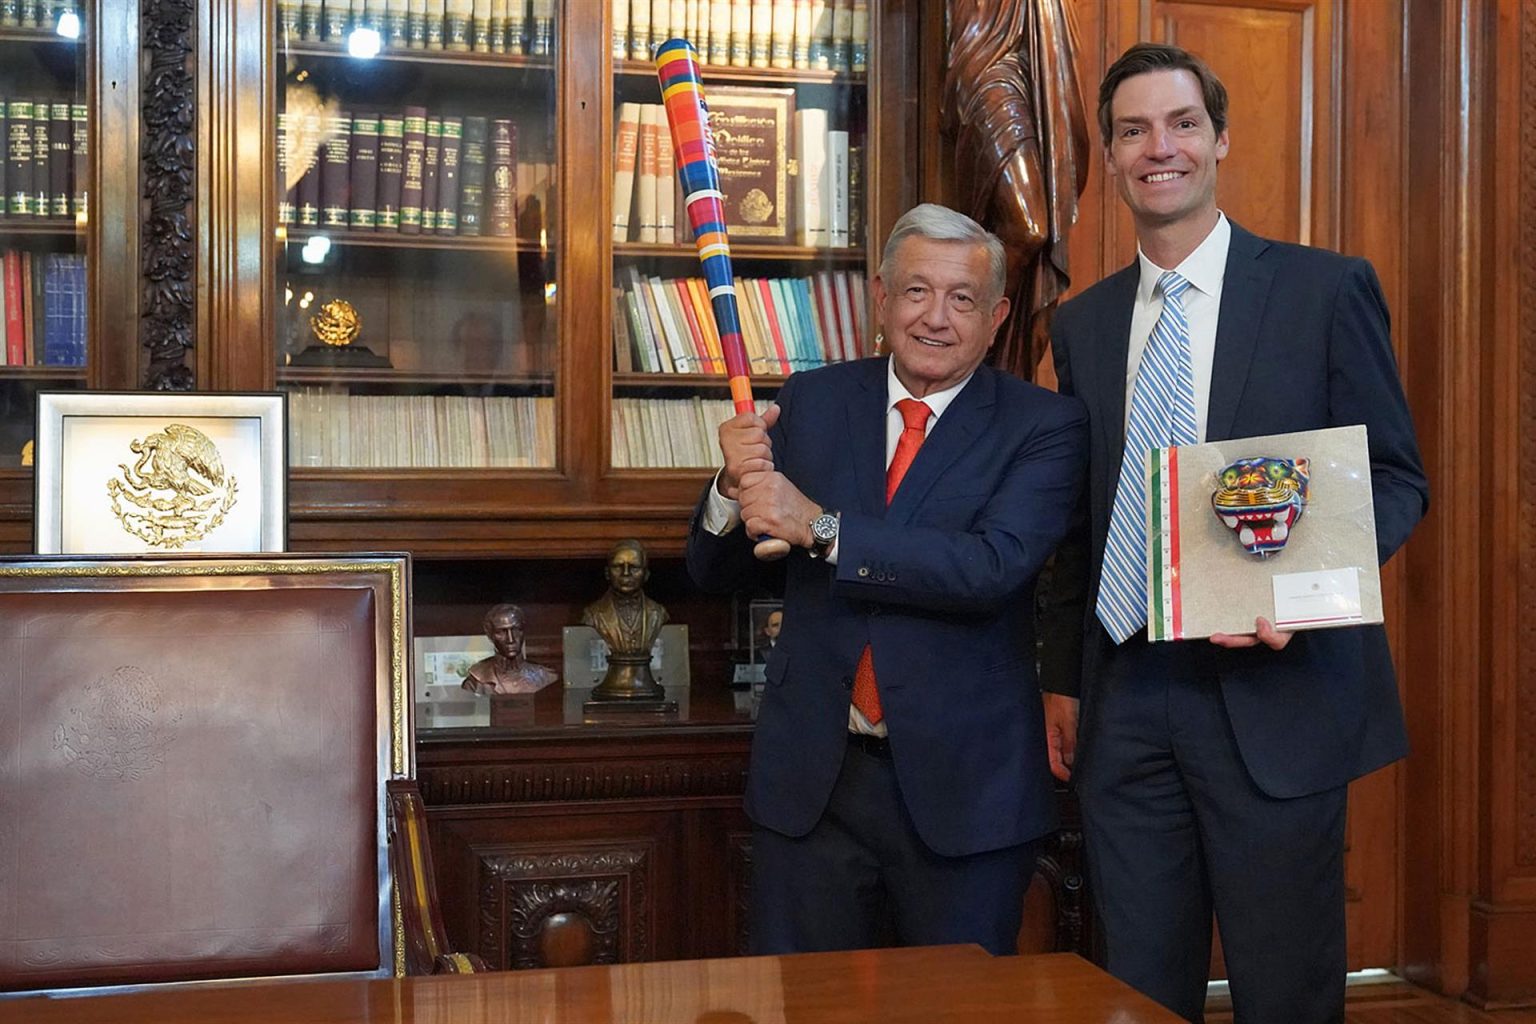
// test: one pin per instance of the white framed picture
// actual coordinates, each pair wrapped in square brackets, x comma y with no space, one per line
[157,472]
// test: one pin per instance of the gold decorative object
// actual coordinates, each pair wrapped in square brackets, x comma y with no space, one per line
[756,207]
[337,323]
[177,492]
[26,454]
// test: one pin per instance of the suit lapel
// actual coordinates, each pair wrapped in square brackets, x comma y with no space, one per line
[1109,346]
[1244,291]
[966,419]
[866,433]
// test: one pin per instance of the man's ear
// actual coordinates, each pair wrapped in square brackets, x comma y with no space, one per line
[999,314]
[1109,163]
[1223,144]
[877,289]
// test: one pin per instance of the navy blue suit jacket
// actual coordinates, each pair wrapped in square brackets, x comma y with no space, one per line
[1302,343]
[939,585]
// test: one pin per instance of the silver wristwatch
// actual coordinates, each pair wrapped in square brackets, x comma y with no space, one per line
[823,533]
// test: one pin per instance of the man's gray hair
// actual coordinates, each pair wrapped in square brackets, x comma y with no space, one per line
[930,220]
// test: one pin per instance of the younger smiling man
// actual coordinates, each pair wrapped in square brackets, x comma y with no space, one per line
[1213,775]
[899,777]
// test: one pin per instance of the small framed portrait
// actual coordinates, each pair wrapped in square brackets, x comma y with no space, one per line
[767,619]
[154,472]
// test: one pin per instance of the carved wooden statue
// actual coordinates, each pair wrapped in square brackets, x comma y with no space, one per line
[1013,107]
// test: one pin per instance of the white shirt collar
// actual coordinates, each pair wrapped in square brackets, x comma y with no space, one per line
[1204,268]
[938,401]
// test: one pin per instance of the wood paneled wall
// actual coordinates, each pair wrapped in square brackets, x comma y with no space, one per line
[1404,131]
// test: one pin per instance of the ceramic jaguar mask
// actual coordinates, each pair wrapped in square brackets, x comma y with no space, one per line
[1261,500]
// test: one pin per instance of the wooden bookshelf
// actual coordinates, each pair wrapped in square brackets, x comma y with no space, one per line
[46,227]
[481,61]
[715,383]
[34,36]
[43,374]
[395,240]
[729,74]
[382,375]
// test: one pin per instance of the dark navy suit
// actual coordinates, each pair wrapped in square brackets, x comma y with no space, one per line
[1258,744]
[938,584]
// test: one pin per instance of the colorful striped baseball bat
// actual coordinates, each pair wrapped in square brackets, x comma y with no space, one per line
[682,92]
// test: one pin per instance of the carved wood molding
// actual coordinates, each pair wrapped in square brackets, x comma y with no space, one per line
[739,873]
[167,153]
[607,890]
[1061,865]
[1525,675]
[630,779]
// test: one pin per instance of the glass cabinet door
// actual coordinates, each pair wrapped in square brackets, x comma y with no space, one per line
[416,243]
[786,86]
[45,182]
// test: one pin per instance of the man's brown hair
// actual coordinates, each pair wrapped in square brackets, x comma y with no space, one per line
[1145,57]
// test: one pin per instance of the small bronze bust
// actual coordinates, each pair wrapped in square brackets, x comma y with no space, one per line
[505,672]
[628,622]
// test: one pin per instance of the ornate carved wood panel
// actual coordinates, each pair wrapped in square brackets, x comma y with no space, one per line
[167,157]
[579,905]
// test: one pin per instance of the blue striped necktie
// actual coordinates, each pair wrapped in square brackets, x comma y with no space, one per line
[1162,414]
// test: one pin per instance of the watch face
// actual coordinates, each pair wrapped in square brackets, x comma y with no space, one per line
[824,527]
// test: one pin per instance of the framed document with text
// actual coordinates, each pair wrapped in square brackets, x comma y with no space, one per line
[152,471]
[1279,526]
[752,127]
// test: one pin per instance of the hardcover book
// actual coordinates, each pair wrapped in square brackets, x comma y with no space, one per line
[1279,526]
[336,171]
[448,176]
[472,183]
[40,147]
[365,172]
[60,142]
[391,170]
[80,122]
[502,220]
[751,127]
[415,127]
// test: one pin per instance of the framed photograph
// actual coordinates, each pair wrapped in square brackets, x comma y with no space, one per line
[154,472]
[766,618]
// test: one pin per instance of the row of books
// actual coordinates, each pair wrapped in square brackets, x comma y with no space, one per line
[669,433]
[35,13]
[43,302]
[810,34]
[479,26]
[787,324]
[820,206]
[400,171]
[421,431]
[46,170]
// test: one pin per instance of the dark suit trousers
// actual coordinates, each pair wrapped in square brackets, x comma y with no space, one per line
[862,877]
[1176,827]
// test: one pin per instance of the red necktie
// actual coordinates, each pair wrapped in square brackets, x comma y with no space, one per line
[914,416]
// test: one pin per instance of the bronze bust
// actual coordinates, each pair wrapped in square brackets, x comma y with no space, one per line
[628,623]
[505,672]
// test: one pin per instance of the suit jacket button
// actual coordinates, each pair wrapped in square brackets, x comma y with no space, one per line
[863,570]
[847,682]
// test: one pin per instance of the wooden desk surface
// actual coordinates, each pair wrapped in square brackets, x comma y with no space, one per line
[930,985]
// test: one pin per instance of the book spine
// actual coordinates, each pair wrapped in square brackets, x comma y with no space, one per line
[837,189]
[800,47]
[436,24]
[640,29]
[364,215]
[60,142]
[5,170]
[337,17]
[741,33]
[448,176]
[391,170]
[472,176]
[310,12]
[416,24]
[821,34]
[19,157]
[414,124]
[40,147]
[542,36]
[456,29]
[80,176]
[431,165]
[309,181]
[336,171]
[666,181]
[781,42]
[287,187]
[15,331]
[645,180]
[517,27]
[661,25]
[858,39]
[810,188]
[621,29]
[760,37]
[719,32]
[499,9]
[503,215]
[625,150]
[480,26]
[58,347]
[288,20]
[842,34]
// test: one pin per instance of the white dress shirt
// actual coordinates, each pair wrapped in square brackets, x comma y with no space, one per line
[1204,269]
[722,515]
